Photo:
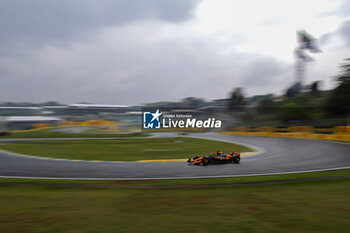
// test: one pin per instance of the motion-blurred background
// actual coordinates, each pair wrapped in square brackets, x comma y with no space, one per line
[251,64]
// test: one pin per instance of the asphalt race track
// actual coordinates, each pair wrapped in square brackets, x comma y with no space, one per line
[277,155]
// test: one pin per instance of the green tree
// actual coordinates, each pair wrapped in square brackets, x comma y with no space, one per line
[267,106]
[338,103]
[237,100]
[293,111]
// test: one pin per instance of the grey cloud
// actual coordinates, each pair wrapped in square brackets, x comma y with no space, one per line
[57,19]
[344,31]
[127,64]
[325,38]
[263,71]
[168,70]
[343,10]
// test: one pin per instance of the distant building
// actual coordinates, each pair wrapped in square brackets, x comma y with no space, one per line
[297,89]
[294,90]
[25,111]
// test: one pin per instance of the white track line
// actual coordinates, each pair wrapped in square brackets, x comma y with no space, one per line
[177,178]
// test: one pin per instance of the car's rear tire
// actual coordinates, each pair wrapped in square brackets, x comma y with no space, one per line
[236,159]
[205,162]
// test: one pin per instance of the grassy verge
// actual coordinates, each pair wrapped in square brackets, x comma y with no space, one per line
[317,206]
[175,182]
[124,149]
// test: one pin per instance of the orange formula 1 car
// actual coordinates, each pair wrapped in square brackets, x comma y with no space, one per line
[219,157]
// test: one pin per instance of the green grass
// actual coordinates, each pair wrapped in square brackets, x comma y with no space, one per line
[52,134]
[179,182]
[124,149]
[313,206]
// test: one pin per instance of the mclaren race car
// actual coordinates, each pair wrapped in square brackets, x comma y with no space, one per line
[219,157]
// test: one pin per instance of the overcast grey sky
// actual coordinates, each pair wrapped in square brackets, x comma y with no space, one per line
[137,51]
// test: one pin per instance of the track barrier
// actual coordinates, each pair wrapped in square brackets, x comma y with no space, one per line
[338,133]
